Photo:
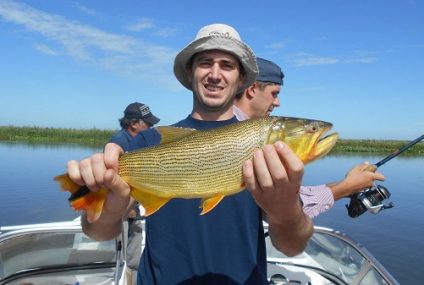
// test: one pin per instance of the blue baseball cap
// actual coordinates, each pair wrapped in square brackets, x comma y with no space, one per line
[140,111]
[269,71]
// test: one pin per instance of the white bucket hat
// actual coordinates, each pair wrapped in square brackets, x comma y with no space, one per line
[217,37]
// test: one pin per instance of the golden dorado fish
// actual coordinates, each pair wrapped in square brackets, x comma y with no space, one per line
[202,164]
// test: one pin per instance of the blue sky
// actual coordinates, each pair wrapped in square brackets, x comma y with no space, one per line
[77,64]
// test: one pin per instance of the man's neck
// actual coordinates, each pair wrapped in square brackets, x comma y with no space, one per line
[240,114]
[207,116]
[243,105]
[212,115]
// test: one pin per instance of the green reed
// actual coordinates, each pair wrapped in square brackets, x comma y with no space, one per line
[376,146]
[55,135]
[97,137]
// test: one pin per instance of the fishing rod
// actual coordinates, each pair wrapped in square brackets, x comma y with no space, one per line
[371,199]
[399,151]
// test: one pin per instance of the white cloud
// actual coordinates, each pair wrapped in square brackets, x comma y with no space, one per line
[147,24]
[86,10]
[121,54]
[167,32]
[140,25]
[46,50]
[307,59]
[361,60]
[277,45]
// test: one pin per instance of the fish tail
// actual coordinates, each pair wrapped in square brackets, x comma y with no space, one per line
[82,199]
[66,184]
[91,202]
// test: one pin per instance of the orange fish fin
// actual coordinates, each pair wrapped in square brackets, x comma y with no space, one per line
[92,203]
[208,204]
[66,184]
[151,203]
[170,134]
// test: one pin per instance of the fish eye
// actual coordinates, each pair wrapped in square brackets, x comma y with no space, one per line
[312,128]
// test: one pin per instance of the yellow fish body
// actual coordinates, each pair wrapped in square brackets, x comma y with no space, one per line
[203,164]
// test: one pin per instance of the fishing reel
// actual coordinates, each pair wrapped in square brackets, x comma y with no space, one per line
[370,200]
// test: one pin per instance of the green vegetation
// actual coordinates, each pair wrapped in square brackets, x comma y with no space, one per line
[375,146]
[96,137]
[92,137]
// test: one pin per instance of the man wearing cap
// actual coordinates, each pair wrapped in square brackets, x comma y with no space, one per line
[137,117]
[226,246]
[259,99]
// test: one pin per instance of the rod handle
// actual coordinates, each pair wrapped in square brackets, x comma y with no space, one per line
[371,167]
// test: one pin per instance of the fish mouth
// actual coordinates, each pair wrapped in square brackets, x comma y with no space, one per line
[324,143]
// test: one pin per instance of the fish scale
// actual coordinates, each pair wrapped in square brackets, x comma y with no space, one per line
[202,164]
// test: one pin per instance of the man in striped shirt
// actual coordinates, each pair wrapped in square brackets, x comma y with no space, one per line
[259,99]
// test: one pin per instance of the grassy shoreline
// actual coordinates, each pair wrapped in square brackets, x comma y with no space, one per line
[92,137]
[98,137]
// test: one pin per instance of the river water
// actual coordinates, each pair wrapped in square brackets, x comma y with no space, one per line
[28,194]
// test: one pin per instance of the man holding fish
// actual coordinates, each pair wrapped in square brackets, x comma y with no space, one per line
[260,99]
[227,245]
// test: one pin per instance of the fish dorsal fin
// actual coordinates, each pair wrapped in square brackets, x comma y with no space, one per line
[170,134]
[208,204]
[151,203]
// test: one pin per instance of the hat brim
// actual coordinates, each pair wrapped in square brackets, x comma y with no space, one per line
[240,50]
[151,120]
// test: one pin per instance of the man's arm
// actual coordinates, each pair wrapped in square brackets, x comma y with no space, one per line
[316,199]
[291,236]
[357,179]
[320,198]
[273,177]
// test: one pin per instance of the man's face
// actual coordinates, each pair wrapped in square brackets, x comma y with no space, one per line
[215,78]
[265,99]
[139,125]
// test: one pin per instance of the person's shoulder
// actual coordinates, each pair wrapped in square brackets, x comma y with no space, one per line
[151,137]
[120,133]
[145,138]
[121,138]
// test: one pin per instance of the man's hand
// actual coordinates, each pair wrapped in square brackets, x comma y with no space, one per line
[360,177]
[274,176]
[97,171]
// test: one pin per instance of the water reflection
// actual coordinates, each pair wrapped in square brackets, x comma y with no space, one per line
[28,193]
[36,146]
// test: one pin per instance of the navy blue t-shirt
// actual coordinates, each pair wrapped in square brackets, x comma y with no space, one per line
[122,138]
[223,247]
